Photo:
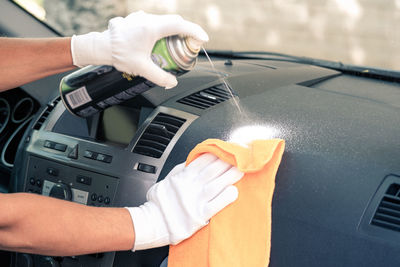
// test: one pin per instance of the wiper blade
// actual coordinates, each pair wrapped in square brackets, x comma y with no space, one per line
[379,73]
[249,55]
[227,54]
[372,72]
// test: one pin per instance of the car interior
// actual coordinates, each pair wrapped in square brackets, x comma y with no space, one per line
[337,194]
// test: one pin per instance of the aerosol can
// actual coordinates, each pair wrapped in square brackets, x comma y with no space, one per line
[95,88]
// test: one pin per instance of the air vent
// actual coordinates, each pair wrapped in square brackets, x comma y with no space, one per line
[157,135]
[207,98]
[387,214]
[46,114]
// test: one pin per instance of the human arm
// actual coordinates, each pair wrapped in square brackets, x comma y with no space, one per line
[41,225]
[176,208]
[23,60]
[126,45]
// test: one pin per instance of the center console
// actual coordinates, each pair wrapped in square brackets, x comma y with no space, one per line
[62,181]
[109,160]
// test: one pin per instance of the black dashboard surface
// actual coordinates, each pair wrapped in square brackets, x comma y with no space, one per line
[340,161]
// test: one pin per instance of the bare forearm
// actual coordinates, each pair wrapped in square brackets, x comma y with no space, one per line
[42,225]
[26,60]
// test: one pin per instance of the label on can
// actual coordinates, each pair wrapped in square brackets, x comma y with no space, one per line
[78,97]
[161,56]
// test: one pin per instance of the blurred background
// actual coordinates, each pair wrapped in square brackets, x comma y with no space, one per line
[361,32]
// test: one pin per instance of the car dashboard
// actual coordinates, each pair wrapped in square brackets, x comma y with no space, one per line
[337,195]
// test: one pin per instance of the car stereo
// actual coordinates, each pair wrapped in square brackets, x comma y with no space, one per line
[57,180]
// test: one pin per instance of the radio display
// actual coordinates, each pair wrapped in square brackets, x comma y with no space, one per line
[116,125]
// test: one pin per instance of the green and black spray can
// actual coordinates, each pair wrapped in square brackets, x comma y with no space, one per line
[95,88]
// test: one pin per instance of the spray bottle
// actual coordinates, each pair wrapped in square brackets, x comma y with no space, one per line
[95,88]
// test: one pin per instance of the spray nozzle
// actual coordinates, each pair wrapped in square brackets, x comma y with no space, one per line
[193,44]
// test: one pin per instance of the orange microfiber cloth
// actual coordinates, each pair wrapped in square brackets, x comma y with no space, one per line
[239,235]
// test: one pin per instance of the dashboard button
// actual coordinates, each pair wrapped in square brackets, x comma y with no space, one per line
[90,154]
[101,157]
[93,197]
[146,168]
[47,185]
[104,158]
[73,154]
[39,182]
[60,147]
[108,159]
[100,199]
[49,144]
[52,171]
[32,181]
[54,145]
[84,180]
[107,200]
[80,196]
[61,191]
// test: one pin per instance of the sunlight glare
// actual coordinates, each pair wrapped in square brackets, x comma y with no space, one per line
[33,8]
[350,7]
[213,15]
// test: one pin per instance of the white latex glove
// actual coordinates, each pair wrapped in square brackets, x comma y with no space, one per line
[184,202]
[128,42]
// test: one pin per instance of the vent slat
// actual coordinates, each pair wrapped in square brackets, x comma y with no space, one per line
[169,127]
[385,224]
[206,98]
[388,211]
[158,135]
[387,218]
[390,205]
[158,129]
[206,101]
[387,215]
[152,143]
[220,93]
[45,114]
[172,129]
[392,199]
[156,138]
[193,103]
[170,120]
[148,151]
[214,98]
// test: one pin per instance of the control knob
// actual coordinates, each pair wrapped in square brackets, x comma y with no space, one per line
[61,191]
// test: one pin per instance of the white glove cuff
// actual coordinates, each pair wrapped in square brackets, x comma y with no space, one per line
[91,49]
[150,229]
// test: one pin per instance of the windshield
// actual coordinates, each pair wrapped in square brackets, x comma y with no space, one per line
[360,32]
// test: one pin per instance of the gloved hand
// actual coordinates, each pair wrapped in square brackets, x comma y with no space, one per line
[184,202]
[128,42]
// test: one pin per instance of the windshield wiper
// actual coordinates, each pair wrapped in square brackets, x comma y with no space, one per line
[248,55]
[372,72]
